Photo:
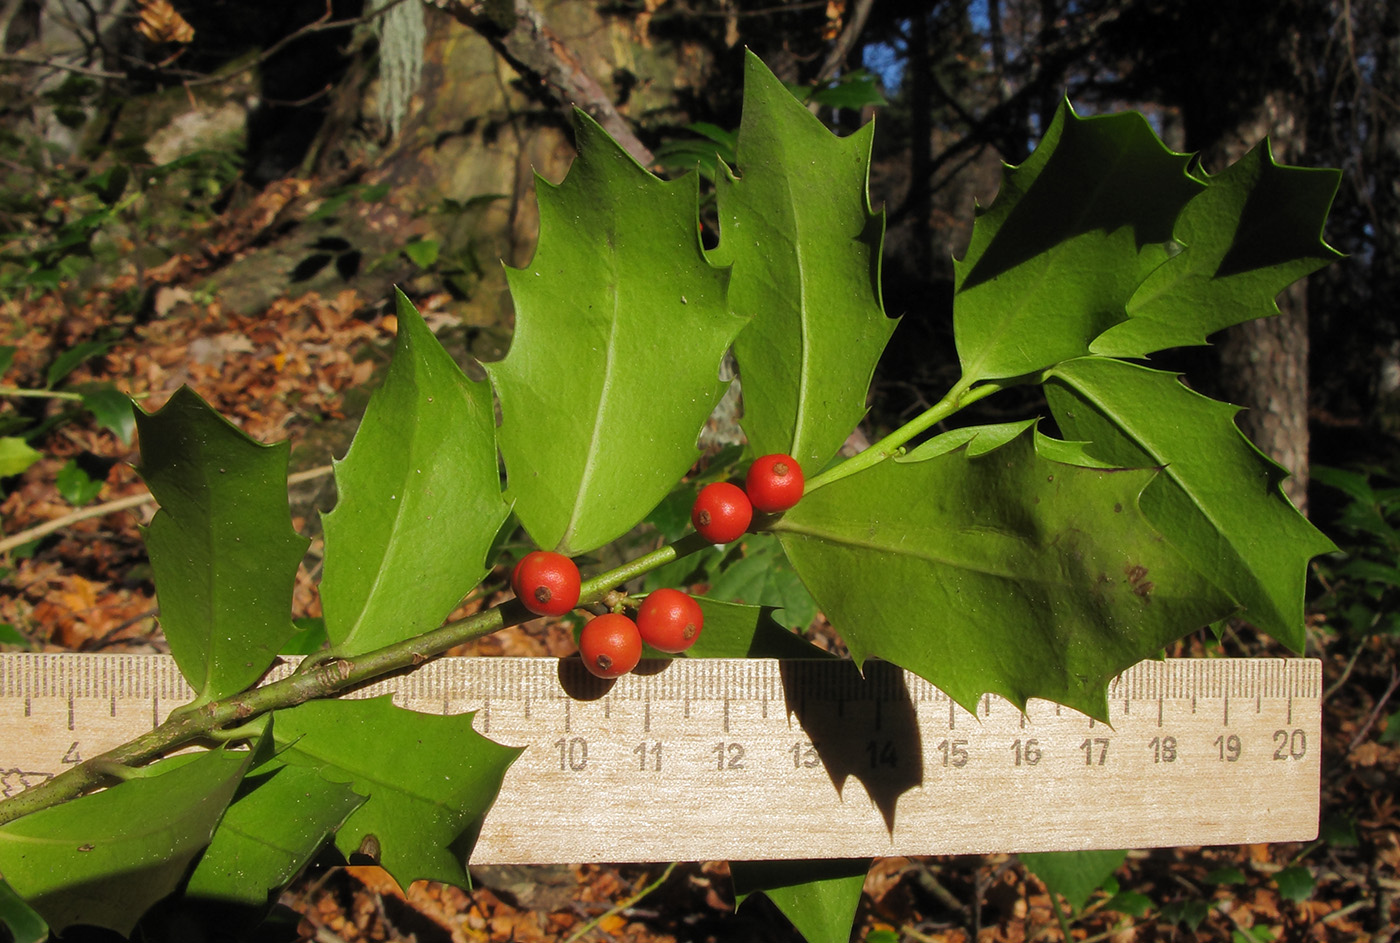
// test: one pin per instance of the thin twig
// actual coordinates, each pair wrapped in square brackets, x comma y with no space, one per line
[1346,673]
[918,935]
[836,55]
[120,504]
[62,67]
[1345,911]
[620,906]
[1375,711]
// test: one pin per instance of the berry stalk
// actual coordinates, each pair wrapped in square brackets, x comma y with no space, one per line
[964,393]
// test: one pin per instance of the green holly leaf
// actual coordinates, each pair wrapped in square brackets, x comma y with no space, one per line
[1074,875]
[1254,231]
[762,576]
[819,896]
[1217,499]
[620,327]
[16,455]
[105,858]
[419,499]
[737,631]
[1295,883]
[75,485]
[1073,232]
[806,269]
[222,545]
[111,408]
[279,819]
[22,921]
[429,779]
[997,571]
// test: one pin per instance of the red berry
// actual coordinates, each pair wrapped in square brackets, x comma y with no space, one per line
[546,583]
[610,645]
[722,512]
[669,620]
[774,483]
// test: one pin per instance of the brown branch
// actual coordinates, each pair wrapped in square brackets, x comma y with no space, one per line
[519,34]
[1375,711]
[836,57]
[62,67]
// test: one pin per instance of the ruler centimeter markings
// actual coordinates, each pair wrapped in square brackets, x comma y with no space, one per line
[702,759]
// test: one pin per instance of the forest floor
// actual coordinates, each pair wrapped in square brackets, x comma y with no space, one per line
[300,371]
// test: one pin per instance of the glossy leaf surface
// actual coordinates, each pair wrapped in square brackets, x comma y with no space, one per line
[806,269]
[279,819]
[222,545]
[738,631]
[419,499]
[820,897]
[1253,232]
[620,327]
[1070,236]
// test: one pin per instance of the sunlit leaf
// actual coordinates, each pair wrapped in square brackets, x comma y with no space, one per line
[16,455]
[1217,500]
[738,631]
[1072,233]
[1253,232]
[222,545]
[278,820]
[620,327]
[806,269]
[418,502]
[820,897]
[1074,875]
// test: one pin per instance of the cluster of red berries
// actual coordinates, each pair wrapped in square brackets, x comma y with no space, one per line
[668,620]
[723,511]
[547,583]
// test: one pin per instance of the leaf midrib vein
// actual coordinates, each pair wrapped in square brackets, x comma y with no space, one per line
[395,533]
[600,417]
[858,544]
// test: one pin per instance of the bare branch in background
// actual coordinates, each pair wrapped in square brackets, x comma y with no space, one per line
[519,34]
[838,53]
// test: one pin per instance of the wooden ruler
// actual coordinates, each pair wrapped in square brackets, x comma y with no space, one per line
[760,759]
